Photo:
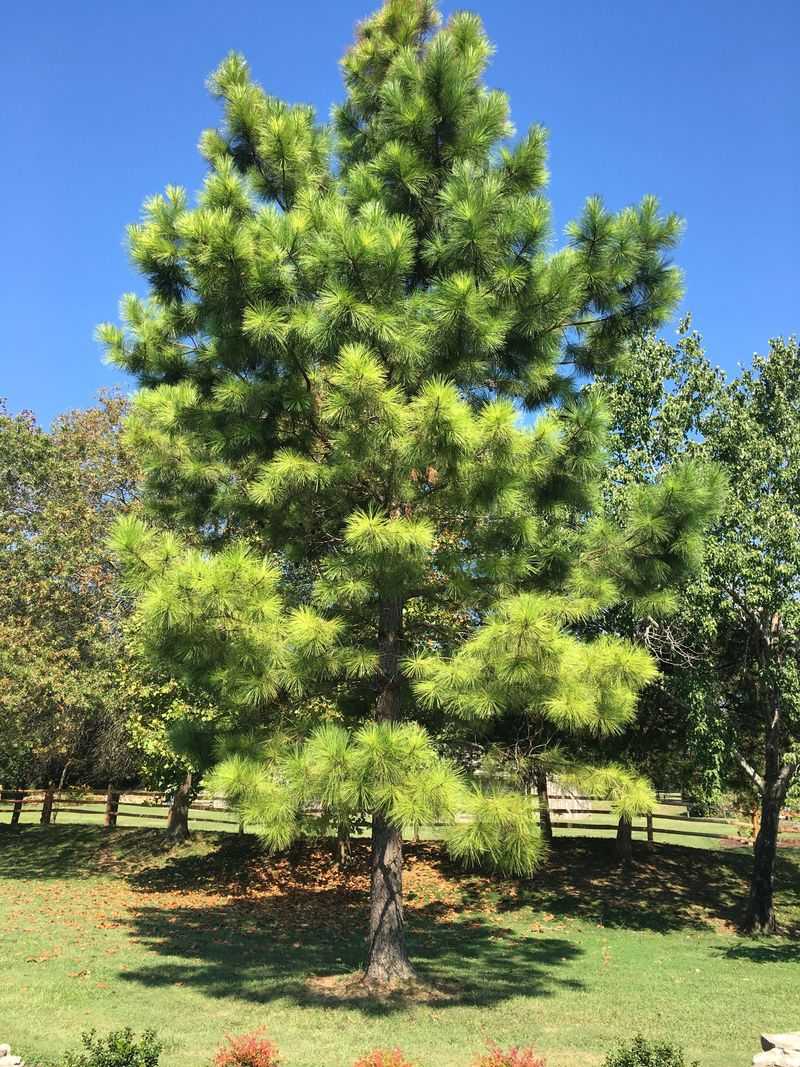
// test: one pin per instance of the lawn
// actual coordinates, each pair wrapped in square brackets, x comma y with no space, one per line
[107,930]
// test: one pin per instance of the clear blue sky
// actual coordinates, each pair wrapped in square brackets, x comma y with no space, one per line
[102,102]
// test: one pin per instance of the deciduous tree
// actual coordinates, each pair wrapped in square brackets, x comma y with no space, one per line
[731,652]
[60,614]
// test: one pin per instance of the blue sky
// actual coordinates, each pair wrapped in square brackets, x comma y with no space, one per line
[102,102]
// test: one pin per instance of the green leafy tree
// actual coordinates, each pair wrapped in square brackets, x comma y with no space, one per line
[339,349]
[172,739]
[731,652]
[60,614]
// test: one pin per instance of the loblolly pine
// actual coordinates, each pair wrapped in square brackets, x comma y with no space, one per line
[363,412]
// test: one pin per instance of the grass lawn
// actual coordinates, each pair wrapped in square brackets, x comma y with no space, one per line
[108,930]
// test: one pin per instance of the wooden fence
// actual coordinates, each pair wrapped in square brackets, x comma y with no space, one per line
[115,806]
[573,817]
[567,812]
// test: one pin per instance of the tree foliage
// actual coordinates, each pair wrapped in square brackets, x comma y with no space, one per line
[60,614]
[730,687]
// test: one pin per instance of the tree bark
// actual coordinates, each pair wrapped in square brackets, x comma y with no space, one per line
[388,963]
[178,820]
[387,960]
[47,805]
[759,916]
[60,788]
[16,811]
[624,847]
[112,808]
[342,846]
[545,819]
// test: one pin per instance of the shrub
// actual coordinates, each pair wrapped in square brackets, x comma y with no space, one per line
[120,1048]
[383,1057]
[512,1057]
[248,1050]
[643,1053]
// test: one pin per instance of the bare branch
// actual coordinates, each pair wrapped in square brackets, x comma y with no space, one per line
[751,773]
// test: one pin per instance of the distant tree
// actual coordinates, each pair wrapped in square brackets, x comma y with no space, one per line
[335,355]
[171,738]
[60,614]
[730,688]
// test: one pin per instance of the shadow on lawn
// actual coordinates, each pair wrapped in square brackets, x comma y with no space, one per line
[290,918]
[72,851]
[216,951]
[764,952]
[221,916]
[667,888]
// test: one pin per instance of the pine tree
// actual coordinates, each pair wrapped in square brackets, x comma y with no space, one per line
[363,411]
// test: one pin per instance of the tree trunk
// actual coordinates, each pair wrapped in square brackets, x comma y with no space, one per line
[342,846]
[60,788]
[178,820]
[545,820]
[16,811]
[47,805]
[759,916]
[624,848]
[387,961]
[112,808]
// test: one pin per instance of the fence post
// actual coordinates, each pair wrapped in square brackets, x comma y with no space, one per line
[19,796]
[112,807]
[650,836]
[47,805]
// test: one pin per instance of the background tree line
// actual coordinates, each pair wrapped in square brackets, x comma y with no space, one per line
[80,705]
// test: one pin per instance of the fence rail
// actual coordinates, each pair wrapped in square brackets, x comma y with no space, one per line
[569,813]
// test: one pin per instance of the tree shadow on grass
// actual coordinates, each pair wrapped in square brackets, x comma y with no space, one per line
[74,851]
[220,915]
[669,887]
[223,953]
[284,920]
[764,952]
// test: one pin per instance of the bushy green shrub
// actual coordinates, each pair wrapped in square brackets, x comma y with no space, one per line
[120,1048]
[643,1053]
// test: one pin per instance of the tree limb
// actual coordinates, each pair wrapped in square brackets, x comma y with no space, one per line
[751,772]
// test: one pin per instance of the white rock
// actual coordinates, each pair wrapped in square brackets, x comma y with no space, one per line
[785,1042]
[780,1050]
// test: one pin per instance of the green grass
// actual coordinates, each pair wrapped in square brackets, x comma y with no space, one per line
[108,930]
